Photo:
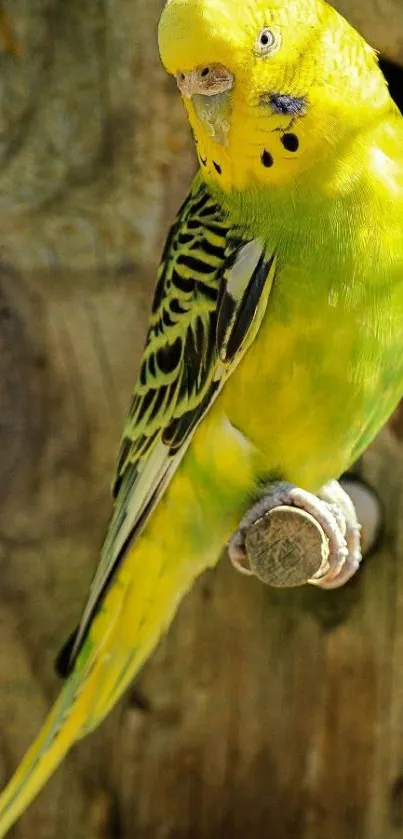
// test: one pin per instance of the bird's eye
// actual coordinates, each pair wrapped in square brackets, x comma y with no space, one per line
[266,42]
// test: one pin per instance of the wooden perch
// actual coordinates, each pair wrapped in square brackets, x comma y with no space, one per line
[257,720]
[287,547]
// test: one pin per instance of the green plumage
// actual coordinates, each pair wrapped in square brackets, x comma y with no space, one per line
[275,341]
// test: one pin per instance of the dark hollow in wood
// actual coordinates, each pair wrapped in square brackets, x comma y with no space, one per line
[286,547]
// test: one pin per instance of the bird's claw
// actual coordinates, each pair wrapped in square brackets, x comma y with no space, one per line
[342,508]
[332,509]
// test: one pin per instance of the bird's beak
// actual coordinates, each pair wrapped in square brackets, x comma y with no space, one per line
[208,87]
[206,80]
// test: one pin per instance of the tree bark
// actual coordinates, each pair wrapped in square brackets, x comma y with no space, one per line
[264,713]
[380,21]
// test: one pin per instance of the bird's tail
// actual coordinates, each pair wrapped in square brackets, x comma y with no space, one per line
[184,536]
[58,733]
[145,610]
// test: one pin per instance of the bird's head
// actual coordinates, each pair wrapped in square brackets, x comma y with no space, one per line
[270,86]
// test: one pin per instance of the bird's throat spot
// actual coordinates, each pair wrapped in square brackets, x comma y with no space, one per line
[205,163]
[290,142]
[267,159]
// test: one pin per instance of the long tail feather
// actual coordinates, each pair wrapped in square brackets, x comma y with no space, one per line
[158,570]
[99,680]
[59,732]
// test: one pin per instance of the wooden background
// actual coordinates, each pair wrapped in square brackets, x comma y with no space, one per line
[263,714]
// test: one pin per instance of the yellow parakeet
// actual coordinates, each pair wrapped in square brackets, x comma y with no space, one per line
[274,350]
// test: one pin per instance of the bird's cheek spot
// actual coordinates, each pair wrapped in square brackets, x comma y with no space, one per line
[217,167]
[282,103]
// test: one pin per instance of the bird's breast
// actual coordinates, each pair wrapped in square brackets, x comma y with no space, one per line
[322,376]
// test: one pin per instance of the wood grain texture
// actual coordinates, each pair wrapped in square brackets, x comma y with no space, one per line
[263,713]
[286,547]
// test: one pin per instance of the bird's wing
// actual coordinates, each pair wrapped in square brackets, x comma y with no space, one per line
[211,295]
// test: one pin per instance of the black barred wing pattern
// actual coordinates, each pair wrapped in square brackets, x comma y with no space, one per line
[211,294]
[177,367]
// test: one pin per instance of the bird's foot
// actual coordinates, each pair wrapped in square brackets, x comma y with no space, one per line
[344,513]
[291,537]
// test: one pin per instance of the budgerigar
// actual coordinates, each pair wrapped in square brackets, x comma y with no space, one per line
[274,351]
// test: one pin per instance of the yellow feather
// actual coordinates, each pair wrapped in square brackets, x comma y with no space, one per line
[316,175]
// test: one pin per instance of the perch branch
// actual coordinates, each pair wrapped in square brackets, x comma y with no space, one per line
[287,547]
[292,537]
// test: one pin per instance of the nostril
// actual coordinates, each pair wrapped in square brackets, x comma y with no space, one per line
[204,73]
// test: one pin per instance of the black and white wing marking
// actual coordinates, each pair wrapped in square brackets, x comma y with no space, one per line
[211,295]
